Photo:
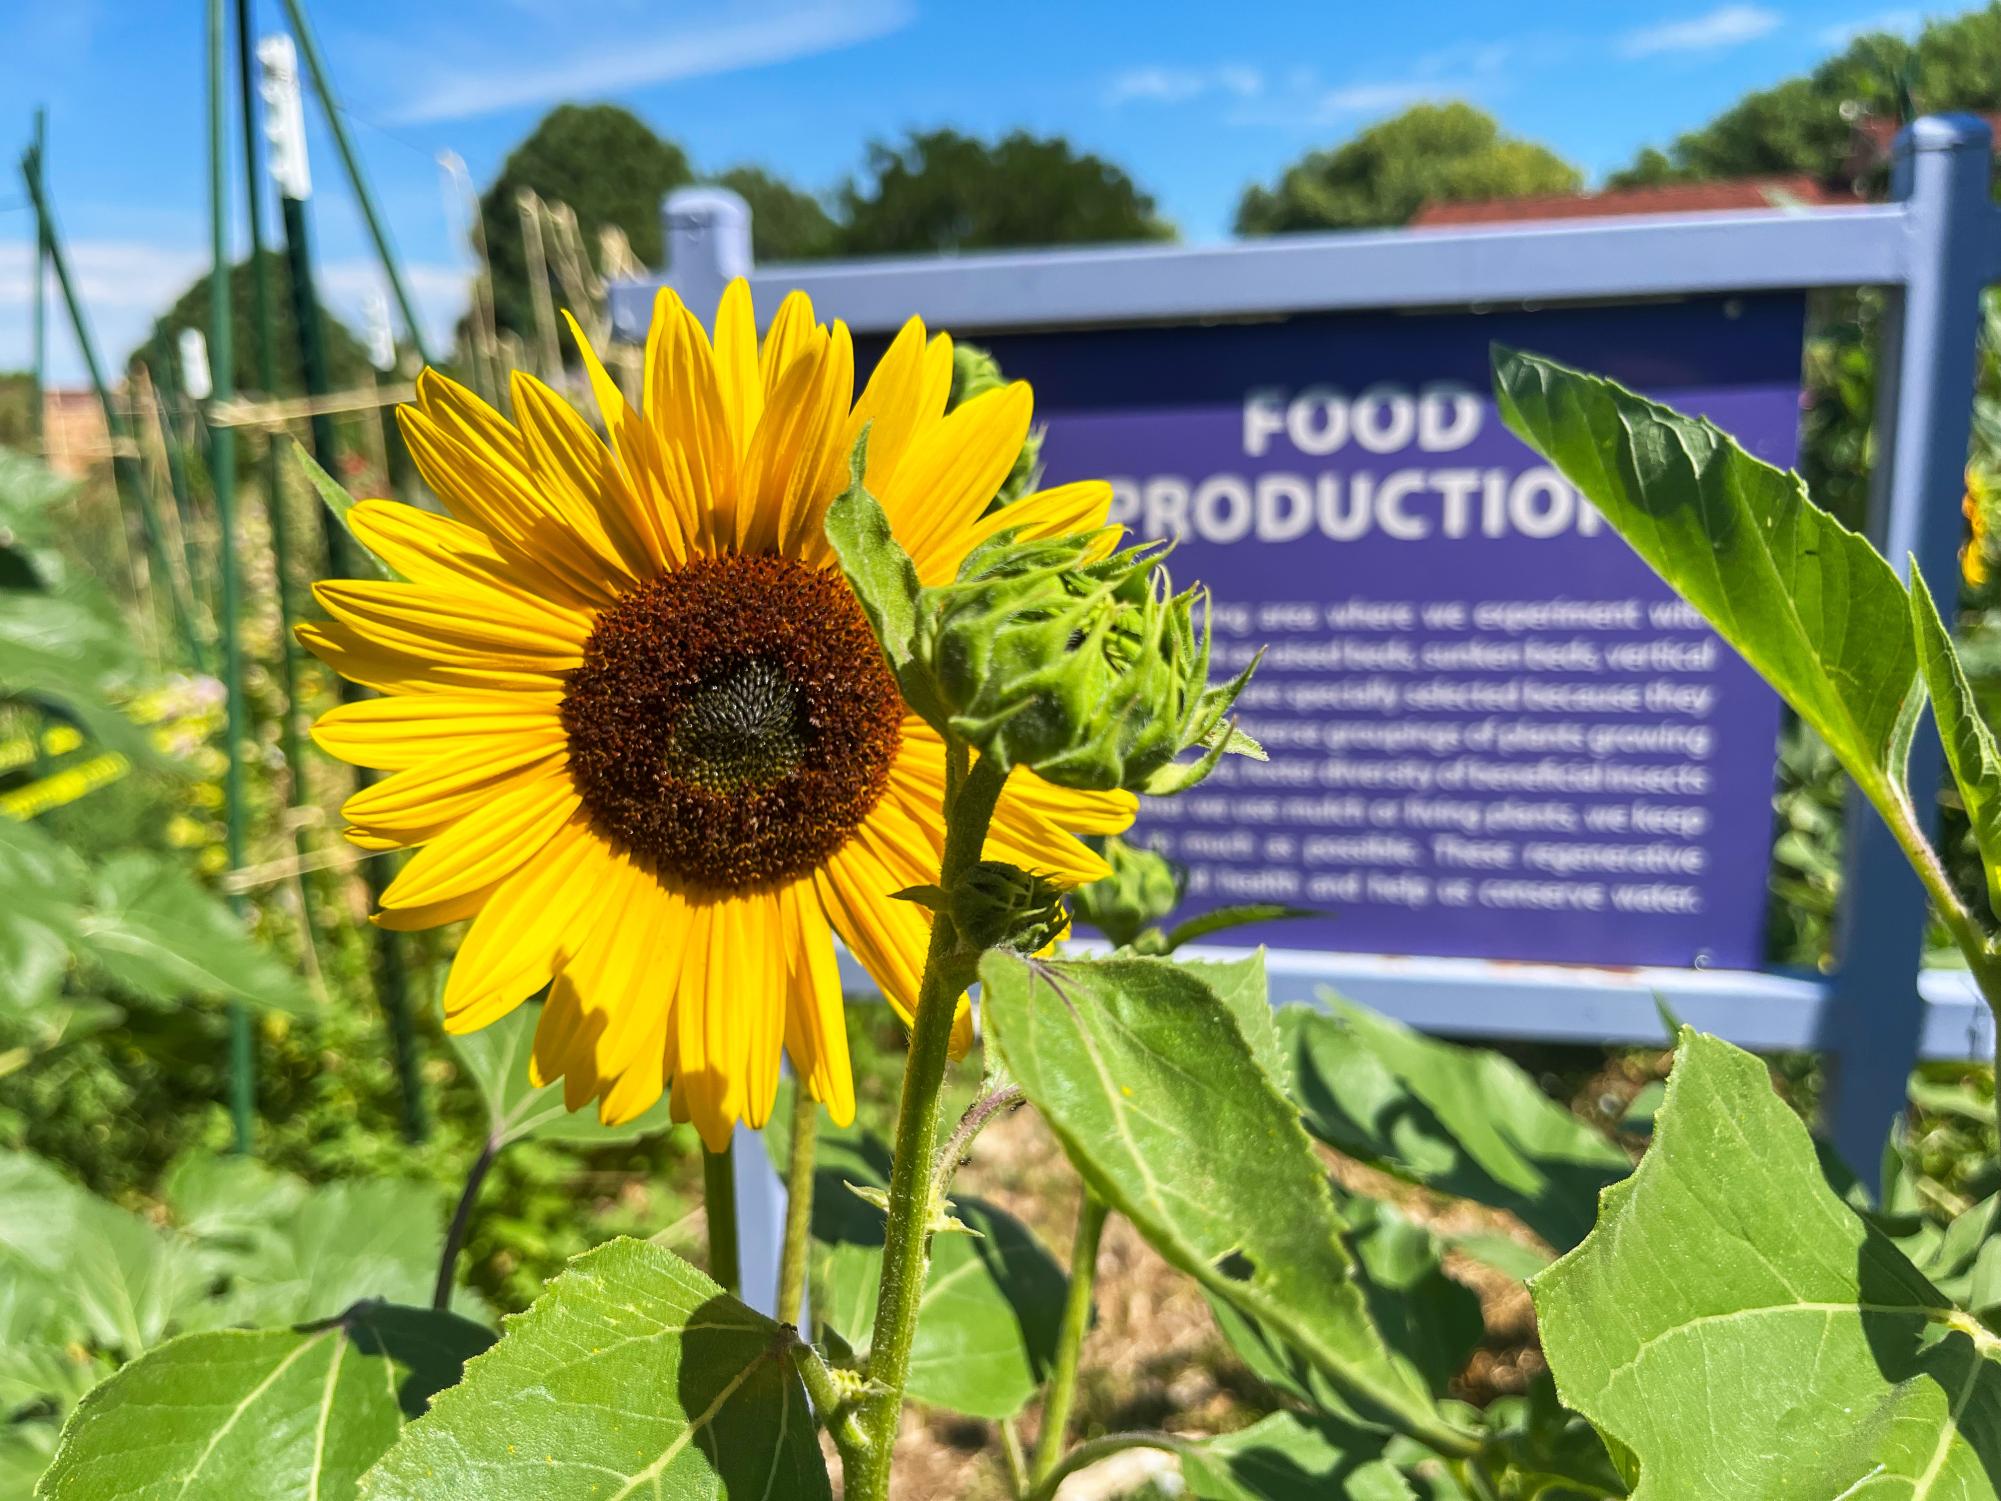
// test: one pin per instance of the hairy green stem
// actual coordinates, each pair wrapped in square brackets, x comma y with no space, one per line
[455,1237]
[719,1209]
[1894,806]
[831,1392]
[1085,1455]
[1017,1462]
[1091,1214]
[982,1113]
[798,1204]
[949,967]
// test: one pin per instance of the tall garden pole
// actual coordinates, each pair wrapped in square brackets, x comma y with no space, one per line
[41,293]
[267,378]
[133,493]
[309,48]
[285,123]
[222,476]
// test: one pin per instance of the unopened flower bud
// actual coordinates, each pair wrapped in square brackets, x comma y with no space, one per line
[1085,669]
[1142,891]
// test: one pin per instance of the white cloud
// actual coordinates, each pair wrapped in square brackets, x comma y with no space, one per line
[1156,85]
[626,58]
[123,285]
[1726,26]
[1902,23]
[1466,70]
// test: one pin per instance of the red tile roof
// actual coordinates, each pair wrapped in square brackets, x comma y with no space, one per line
[1662,198]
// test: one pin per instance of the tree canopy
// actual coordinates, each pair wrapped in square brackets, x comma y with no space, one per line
[347,357]
[941,190]
[1429,153]
[785,223]
[1807,123]
[605,163]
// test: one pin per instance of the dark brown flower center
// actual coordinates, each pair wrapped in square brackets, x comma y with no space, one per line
[733,721]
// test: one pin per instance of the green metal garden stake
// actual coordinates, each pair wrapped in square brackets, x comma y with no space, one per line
[222,476]
[288,167]
[132,490]
[41,294]
[267,378]
[309,49]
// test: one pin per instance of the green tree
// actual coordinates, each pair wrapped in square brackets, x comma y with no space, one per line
[941,190]
[785,223]
[1431,153]
[1807,123]
[605,163]
[347,358]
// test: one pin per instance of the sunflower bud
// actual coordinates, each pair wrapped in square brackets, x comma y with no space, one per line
[1085,669]
[1142,891]
[995,905]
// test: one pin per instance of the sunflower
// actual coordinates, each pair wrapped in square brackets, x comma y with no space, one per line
[635,723]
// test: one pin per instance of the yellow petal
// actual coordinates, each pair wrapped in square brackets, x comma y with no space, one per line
[889,937]
[663,515]
[708,1078]
[622,980]
[816,1024]
[477,464]
[536,915]
[1061,512]
[892,406]
[375,664]
[737,375]
[791,332]
[803,533]
[426,548]
[453,626]
[555,1055]
[434,914]
[953,471]
[1068,808]
[581,479]
[685,406]
[422,802]
[392,734]
[762,1018]
[785,455]
[485,848]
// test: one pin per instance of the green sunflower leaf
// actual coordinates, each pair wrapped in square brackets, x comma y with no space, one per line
[239,1414]
[1465,1121]
[1289,1458]
[106,1275]
[154,930]
[1811,605]
[879,570]
[1743,1332]
[1145,1076]
[633,1374]
[333,495]
[1970,749]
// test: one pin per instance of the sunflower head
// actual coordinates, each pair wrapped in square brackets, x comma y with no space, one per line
[636,728]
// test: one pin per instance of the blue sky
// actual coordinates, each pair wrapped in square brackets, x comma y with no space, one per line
[1194,98]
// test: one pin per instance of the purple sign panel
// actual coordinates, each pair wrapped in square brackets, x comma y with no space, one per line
[1493,731]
